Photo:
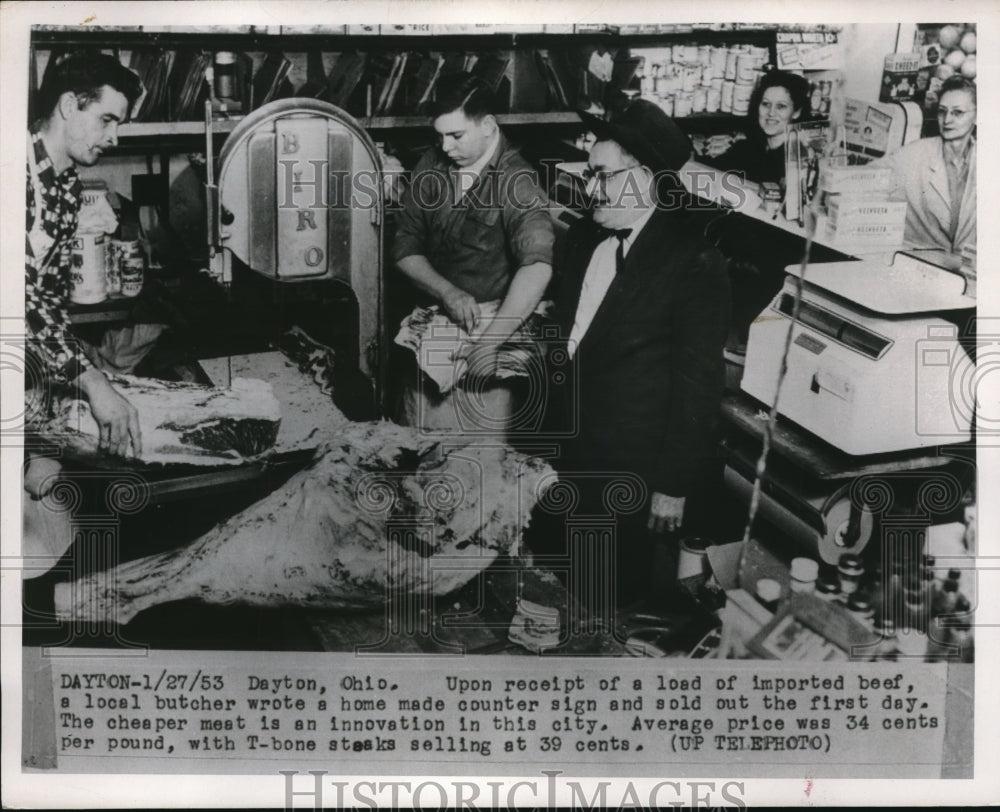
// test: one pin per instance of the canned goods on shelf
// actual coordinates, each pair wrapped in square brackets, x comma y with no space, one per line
[685,53]
[88,267]
[747,66]
[692,77]
[718,62]
[92,193]
[699,100]
[132,268]
[741,99]
[682,104]
[730,72]
[726,96]
[112,275]
[674,80]
[713,100]
[666,103]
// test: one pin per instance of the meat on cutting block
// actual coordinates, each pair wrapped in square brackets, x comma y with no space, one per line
[181,422]
[380,509]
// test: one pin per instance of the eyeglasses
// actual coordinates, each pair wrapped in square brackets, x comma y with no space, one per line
[957,112]
[604,175]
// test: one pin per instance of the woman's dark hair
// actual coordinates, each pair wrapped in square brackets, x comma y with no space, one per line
[797,87]
[85,73]
[465,92]
[959,83]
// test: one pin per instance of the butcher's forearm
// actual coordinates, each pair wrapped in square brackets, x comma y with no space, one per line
[420,272]
[525,292]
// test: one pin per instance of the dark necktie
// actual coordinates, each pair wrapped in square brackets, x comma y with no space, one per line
[620,234]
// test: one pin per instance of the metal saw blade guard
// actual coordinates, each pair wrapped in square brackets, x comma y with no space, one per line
[299,197]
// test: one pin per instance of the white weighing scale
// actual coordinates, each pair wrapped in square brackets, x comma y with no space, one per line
[871,368]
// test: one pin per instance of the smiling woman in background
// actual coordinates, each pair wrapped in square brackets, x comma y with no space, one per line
[938,175]
[779,100]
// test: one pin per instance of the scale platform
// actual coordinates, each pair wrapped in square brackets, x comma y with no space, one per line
[907,287]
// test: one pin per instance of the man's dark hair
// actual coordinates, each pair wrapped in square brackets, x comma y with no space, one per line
[85,73]
[465,92]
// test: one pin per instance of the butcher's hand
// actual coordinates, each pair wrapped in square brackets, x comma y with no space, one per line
[665,513]
[116,418]
[461,308]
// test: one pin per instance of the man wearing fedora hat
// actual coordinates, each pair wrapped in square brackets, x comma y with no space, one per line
[643,302]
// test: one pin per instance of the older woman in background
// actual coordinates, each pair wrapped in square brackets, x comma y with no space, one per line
[938,175]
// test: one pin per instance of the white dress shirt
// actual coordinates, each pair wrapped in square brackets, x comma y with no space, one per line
[600,274]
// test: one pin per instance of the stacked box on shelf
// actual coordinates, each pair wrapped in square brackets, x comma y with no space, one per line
[861,213]
[859,222]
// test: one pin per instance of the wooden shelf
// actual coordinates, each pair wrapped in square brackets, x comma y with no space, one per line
[157,129]
[114,308]
[171,129]
[504,119]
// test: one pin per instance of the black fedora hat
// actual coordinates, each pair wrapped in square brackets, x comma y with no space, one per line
[646,132]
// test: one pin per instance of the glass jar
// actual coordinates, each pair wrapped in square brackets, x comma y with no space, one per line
[225,75]
[860,606]
[804,572]
[769,593]
[828,587]
[849,571]
[887,647]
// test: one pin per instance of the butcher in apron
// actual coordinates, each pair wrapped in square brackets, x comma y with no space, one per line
[474,229]
[80,105]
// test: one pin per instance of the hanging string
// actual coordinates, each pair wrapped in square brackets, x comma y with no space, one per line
[810,216]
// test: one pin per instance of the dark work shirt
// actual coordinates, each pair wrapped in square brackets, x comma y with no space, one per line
[752,159]
[500,225]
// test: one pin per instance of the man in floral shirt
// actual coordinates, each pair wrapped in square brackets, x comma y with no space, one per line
[82,101]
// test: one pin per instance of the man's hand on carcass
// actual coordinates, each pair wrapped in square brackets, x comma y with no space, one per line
[116,418]
[461,308]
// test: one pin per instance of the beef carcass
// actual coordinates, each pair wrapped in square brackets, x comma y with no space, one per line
[381,508]
[180,422]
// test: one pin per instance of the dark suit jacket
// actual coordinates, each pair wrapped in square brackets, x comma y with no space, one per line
[648,374]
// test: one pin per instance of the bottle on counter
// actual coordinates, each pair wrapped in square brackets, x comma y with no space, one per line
[875,588]
[850,572]
[828,585]
[887,647]
[961,631]
[913,622]
[769,593]
[893,604]
[946,599]
[804,572]
[916,610]
[860,607]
